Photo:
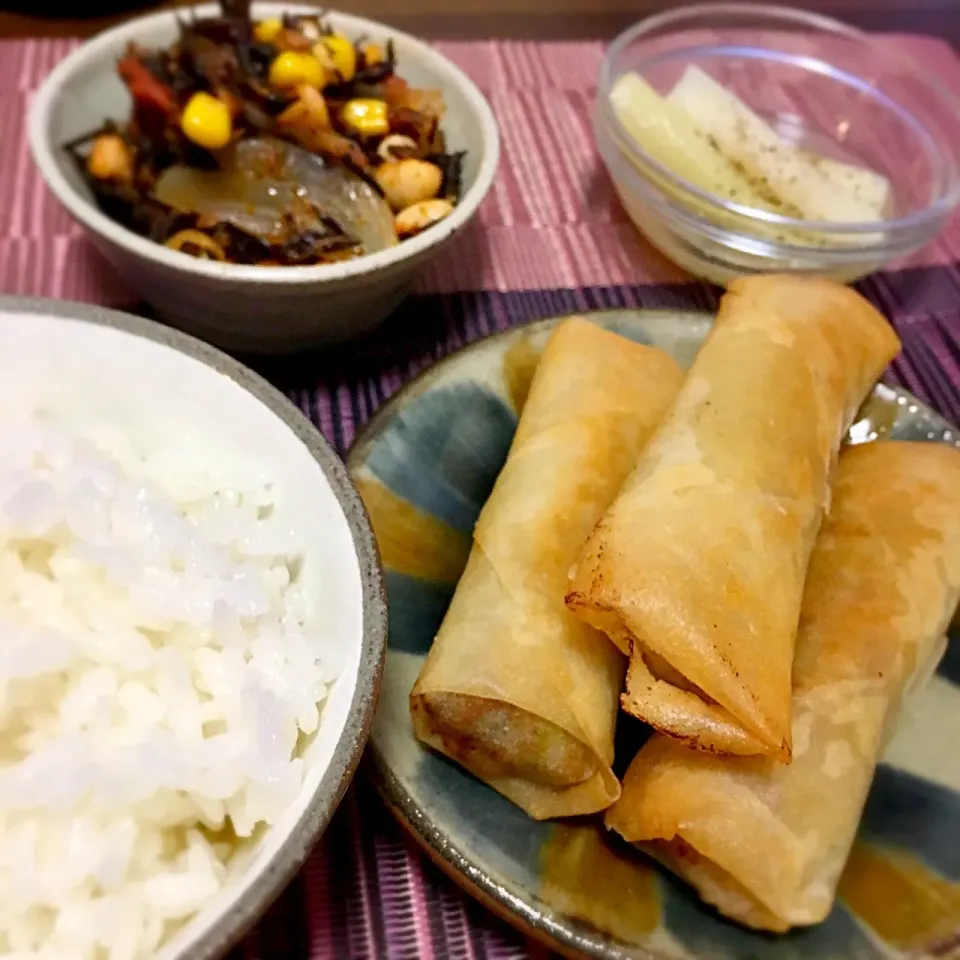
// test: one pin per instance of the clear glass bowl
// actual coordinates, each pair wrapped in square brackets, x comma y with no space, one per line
[820,84]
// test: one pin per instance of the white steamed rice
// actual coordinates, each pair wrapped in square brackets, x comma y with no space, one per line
[155,676]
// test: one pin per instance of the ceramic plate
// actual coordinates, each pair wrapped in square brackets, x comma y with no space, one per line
[425,466]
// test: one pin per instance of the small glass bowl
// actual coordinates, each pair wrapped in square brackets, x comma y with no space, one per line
[822,85]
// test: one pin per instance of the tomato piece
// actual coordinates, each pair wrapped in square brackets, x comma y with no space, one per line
[143,85]
[394,90]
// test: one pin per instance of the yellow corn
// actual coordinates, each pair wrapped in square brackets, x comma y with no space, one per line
[366,117]
[206,121]
[266,31]
[294,69]
[341,55]
[372,54]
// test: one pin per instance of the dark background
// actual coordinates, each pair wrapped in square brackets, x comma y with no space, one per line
[531,19]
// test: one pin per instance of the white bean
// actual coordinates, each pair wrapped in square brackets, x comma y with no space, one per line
[394,141]
[406,182]
[419,216]
[110,158]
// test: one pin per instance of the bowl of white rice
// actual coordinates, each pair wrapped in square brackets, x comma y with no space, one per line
[192,631]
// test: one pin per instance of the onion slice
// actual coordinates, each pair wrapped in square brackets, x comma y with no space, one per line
[277,192]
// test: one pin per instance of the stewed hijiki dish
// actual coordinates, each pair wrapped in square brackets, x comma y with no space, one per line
[277,142]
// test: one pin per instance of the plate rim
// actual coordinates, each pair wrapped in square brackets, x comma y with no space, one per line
[411,388]
[430,839]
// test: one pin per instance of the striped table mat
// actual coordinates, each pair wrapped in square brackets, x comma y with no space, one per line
[551,239]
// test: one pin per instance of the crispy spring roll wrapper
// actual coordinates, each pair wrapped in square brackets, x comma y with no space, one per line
[766,843]
[697,569]
[516,689]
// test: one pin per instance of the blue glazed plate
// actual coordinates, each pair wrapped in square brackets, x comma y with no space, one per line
[424,467]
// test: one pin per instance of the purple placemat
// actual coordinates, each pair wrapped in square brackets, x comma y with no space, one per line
[551,239]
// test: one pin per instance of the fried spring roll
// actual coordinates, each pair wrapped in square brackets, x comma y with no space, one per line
[515,688]
[697,569]
[766,843]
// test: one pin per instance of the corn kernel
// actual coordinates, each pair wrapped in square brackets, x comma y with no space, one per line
[342,55]
[206,121]
[266,31]
[372,54]
[293,69]
[366,117]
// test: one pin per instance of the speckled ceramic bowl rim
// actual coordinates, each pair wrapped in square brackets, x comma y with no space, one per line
[456,864]
[250,906]
[97,222]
